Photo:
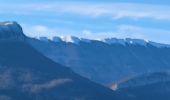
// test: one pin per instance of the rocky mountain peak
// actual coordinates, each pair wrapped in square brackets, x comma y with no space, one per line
[11,31]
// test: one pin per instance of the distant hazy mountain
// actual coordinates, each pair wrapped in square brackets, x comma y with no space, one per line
[107,61]
[25,74]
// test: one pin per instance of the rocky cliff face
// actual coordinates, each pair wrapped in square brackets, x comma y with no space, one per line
[11,31]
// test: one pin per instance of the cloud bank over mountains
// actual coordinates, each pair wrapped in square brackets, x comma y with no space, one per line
[93,20]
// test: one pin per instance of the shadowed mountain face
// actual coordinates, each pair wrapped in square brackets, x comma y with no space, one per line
[155,86]
[25,74]
[133,68]
[157,91]
[145,79]
[107,63]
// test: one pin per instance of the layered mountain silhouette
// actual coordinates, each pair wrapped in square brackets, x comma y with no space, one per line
[134,69]
[25,74]
[109,61]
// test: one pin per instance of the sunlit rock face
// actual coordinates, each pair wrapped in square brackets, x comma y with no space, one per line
[11,31]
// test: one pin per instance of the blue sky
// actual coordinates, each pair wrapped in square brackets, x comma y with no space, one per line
[94,19]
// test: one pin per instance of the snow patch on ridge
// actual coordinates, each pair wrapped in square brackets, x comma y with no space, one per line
[6,23]
[11,31]
[71,39]
[126,41]
[109,41]
[67,39]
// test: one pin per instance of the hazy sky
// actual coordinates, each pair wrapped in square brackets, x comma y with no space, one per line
[94,19]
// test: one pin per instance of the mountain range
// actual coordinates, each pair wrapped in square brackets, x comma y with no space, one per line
[71,68]
[106,61]
[26,74]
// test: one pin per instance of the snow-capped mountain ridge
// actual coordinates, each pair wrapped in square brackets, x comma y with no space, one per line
[7,23]
[11,31]
[110,41]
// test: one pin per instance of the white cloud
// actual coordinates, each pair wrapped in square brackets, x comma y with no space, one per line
[97,35]
[113,10]
[37,30]
[153,34]
[130,31]
[43,30]
[121,31]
